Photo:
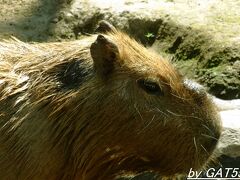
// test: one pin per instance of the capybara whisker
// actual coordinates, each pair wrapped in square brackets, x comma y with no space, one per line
[145,127]
[195,144]
[208,128]
[158,110]
[181,115]
[208,136]
[204,149]
[138,112]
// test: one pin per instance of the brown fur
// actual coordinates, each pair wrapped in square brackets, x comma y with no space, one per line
[107,125]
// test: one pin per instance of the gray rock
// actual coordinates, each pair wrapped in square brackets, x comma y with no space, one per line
[229,144]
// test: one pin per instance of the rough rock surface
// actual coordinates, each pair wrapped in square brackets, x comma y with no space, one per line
[28,20]
[230,139]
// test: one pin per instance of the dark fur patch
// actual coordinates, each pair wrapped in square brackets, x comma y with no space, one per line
[72,74]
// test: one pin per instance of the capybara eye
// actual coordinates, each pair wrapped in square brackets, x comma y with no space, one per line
[150,87]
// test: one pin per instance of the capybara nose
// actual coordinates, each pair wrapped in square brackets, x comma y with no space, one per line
[199,97]
[210,121]
[193,86]
[198,92]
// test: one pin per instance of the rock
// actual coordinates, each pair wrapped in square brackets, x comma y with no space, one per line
[230,139]
[230,143]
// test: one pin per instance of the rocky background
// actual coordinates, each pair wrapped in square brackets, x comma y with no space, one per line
[202,37]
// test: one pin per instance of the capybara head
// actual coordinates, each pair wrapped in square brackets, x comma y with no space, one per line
[111,106]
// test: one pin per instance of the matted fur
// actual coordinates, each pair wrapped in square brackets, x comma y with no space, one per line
[99,128]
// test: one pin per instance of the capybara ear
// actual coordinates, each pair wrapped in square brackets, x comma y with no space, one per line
[105,26]
[104,53]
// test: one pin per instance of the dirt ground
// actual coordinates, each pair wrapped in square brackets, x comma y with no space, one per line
[28,20]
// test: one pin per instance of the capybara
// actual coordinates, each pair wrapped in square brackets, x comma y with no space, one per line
[98,108]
